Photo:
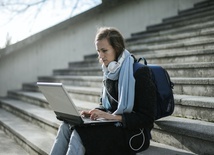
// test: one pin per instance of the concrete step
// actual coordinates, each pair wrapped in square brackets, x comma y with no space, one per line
[42,117]
[84,81]
[186,134]
[85,93]
[180,20]
[198,69]
[8,146]
[181,43]
[31,87]
[90,94]
[83,71]
[203,3]
[175,28]
[198,13]
[90,57]
[178,49]
[31,137]
[164,57]
[194,107]
[198,8]
[194,86]
[162,149]
[85,63]
[199,29]
[37,97]
[187,106]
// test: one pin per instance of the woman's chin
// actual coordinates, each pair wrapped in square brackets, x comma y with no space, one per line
[105,63]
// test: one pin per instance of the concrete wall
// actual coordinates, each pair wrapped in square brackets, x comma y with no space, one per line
[70,40]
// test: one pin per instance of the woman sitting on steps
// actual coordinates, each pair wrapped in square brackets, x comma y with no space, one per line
[127,97]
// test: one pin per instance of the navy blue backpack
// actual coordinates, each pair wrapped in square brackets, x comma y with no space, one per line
[164,86]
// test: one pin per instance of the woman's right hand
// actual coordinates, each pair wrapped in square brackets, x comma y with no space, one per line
[85,114]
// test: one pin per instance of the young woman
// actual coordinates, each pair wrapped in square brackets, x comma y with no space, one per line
[128,97]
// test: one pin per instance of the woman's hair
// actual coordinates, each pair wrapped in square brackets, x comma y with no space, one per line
[114,38]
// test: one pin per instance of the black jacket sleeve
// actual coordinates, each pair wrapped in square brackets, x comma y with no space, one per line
[142,115]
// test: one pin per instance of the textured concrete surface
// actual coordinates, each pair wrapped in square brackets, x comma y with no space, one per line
[161,149]
[9,147]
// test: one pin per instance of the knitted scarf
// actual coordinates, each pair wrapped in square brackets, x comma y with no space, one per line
[126,85]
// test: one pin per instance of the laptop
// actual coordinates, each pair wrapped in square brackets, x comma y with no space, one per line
[64,107]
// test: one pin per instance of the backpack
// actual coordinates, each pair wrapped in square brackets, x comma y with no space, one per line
[165,99]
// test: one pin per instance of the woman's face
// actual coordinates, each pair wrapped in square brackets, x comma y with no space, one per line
[106,53]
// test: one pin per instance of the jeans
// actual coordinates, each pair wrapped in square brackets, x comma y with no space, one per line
[67,142]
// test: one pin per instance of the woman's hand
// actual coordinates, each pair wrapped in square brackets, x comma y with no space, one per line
[96,114]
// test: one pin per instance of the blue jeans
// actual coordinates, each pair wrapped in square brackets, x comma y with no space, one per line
[67,142]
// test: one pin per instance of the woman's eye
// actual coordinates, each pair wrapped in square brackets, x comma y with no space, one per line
[104,51]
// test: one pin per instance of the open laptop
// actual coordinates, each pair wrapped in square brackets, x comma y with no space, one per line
[64,107]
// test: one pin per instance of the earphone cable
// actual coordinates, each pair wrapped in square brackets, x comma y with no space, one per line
[110,95]
[138,134]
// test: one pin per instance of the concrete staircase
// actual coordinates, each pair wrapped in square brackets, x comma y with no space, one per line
[183,44]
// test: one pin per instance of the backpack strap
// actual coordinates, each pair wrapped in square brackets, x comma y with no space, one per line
[144,60]
[138,65]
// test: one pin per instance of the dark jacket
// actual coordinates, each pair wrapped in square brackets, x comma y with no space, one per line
[114,140]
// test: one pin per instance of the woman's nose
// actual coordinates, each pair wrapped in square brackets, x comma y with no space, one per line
[100,55]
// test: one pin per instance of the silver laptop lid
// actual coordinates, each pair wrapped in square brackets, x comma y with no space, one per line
[58,98]
[63,106]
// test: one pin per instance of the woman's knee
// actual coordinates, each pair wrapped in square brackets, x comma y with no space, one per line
[65,129]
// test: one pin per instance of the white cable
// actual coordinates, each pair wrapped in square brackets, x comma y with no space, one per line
[110,95]
[137,149]
[141,130]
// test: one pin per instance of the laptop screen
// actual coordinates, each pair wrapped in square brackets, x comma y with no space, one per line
[58,98]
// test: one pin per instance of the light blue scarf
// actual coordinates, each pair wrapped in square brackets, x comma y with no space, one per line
[126,85]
